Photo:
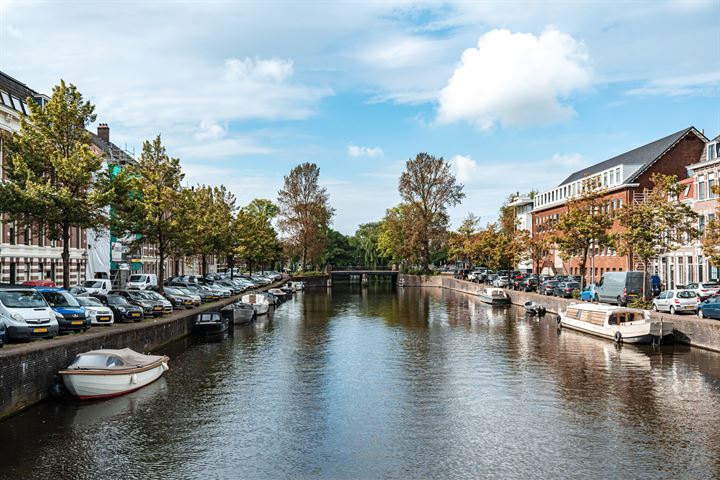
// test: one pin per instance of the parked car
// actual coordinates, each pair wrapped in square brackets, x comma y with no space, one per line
[197,299]
[529,285]
[710,307]
[39,283]
[548,287]
[98,313]
[97,285]
[475,276]
[153,295]
[135,297]
[704,289]
[141,281]
[619,287]
[565,289]
[78,290]
[501,281]
[178,298]
[588,293]
[676,301]
[70,315]
[26,314]
[123,311]
[2,332]
[490,278]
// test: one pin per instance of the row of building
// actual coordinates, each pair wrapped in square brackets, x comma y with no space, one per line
[27,254]
[687,154]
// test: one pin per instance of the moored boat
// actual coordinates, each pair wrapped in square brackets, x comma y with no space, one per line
[258,302]
[534,308]
[209,323]
[623,325]
[109,373]
[280,293]
[494,296]
[241,312]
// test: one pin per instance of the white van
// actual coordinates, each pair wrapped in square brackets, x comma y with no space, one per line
[97,286]
[26,314]
[142,281]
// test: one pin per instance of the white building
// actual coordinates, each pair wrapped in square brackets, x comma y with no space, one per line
[523,206]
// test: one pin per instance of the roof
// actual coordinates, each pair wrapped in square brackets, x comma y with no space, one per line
[18,94]
[642,156]
[115,155]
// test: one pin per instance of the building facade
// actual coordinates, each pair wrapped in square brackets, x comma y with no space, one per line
[625,178]
[523,207]
[688,264]
[26,253]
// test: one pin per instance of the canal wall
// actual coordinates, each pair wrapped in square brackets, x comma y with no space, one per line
[27,370]
[314,281]
[688,329]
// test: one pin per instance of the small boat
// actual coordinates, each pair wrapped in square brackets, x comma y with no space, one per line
[259,302]
[241,312]
[289,288]
[272,299]
[623,325]
[209,323]
[533,308]
[298,286]
[280,293]
[494,296]
[401,282]
[109,373]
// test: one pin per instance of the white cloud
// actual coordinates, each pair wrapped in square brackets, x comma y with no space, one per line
[358,151]
[225,147]
[679,86]
[515,79]
[571,160]
[210,130]
[273,69]
[465,168]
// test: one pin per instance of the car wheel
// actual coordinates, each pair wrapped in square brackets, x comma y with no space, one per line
[672,310]
[655,307]
[596,299]
[700,313]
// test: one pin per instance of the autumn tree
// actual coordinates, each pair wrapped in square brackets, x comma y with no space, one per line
[536,248]
[711,235]
[659,224]
[585,225]
[54,180]
[459,241]
[395,241]
[305,212]
[428,188]
[147,202]
[255,238]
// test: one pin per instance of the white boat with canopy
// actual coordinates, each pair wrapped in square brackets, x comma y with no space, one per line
[258,302]
[615,323]
[109,373]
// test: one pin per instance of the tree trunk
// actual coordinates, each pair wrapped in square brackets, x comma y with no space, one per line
[66,255]
[161,267]
[304,256]
[203,264]
[583,263]
[644,290]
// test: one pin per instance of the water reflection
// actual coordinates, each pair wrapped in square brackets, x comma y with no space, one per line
[372,382]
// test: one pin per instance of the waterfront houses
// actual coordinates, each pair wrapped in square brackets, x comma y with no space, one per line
[625,178]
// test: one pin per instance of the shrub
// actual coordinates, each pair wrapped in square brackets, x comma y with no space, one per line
[576,294]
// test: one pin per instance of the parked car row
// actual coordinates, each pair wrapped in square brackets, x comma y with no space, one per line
[28,312]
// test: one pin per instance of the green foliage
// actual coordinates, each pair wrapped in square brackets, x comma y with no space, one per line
[255,240]
[54,179]
[576,294]
[640,303]
[339,250]
[365,241]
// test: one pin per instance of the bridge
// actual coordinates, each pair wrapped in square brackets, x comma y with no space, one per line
[364,272]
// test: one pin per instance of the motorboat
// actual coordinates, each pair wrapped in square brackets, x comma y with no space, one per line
[534,308]
[281,293]
[494,296]
[109,373]
[209,323]
[623,325]
[240,312]
[259,302]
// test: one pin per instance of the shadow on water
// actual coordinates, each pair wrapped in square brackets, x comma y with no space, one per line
[383,382]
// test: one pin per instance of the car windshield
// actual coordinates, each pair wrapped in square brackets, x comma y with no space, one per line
[22,299]
[117,300]
[93,284]
[136,295]
[686,294]
[173,291]
[60,299]
[137,278]
[710,285]
[89,302]
[573,285]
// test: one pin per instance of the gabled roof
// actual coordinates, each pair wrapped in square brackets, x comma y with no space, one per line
[642,157]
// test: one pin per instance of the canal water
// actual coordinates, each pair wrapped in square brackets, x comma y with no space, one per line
[393,384]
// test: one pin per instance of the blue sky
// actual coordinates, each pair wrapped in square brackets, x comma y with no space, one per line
[516,94]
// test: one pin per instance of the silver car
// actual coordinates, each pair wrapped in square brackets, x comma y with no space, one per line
[676,301]
[704,289]
[501,281]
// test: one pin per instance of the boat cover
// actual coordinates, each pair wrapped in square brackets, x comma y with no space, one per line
[129,358]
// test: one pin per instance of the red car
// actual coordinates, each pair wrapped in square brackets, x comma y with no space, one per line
[39,283]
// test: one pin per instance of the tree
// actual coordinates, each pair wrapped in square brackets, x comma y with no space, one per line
[54,179]
[305,212]
[536,248]
[428,188]
[255,239]
[147,203]
[339,250]
[657,225]
[459,241]
[711,237]
[365,241]
[585,225]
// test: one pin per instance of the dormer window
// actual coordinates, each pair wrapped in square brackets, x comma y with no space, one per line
[712,151]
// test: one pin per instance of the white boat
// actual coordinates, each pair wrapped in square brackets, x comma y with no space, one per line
[109,373]
[258,302]
[615,323]
[296,286]
[494,296]
[280,293]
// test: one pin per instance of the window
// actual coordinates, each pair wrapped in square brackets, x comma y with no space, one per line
[711,185]
[25,107]
[701,223]
[16,104]
[6,99]
[700,268]
[711,152]
[701,189]
[12,234]
[617,175]
[605,179]
[612,177]
[28,236]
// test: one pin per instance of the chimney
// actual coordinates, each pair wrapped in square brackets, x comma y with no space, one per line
[103,131]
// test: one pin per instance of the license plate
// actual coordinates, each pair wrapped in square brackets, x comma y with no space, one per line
[76,322]
[157,308]
[103,319]
[40,330]
[690,307]
[134,314]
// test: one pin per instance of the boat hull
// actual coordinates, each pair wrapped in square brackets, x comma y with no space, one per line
[261,308]
[494,300]
[210,328]
[88,385]
[636,334]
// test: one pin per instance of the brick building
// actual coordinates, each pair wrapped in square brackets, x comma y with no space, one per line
[625,177]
